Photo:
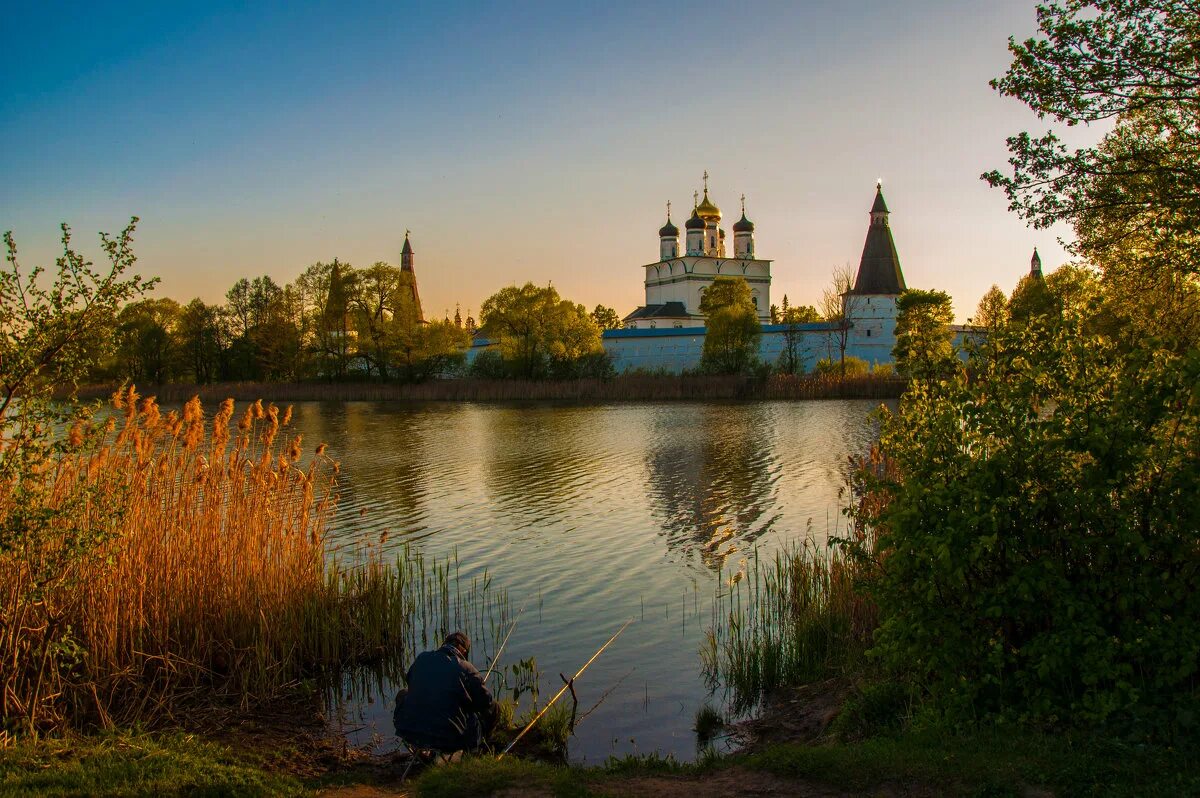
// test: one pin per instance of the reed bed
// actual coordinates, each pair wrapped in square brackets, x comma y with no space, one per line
[789,620]
[633,387]
[193,573]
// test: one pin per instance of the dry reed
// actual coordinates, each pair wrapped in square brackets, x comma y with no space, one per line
[633,387]
[204,579]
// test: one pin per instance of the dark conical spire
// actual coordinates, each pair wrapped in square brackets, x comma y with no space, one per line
[407,249]
[880,206]
[879,270]
[1035,264]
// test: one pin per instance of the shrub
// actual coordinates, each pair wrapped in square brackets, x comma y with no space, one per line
[1037,525]
[850,367]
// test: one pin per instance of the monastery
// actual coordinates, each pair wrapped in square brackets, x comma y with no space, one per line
[667,333]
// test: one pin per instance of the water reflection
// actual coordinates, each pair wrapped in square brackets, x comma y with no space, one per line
[711,476]
[590,515]
[540,462]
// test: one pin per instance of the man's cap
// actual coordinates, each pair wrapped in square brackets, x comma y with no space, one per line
[460,641]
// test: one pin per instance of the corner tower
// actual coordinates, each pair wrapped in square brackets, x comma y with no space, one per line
[408,278]
[870,306]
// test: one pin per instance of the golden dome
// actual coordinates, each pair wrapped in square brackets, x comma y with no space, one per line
[707,211]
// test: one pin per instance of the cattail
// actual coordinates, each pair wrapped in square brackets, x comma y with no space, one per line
[321,449]
[75,436]
[287,416]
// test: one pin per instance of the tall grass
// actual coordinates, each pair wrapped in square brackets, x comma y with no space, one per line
[633,387]
[202,576]
[793,619]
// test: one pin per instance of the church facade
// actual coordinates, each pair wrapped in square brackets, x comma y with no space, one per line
[676,282]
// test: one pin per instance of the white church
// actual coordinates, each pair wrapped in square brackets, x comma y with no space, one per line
[676,282]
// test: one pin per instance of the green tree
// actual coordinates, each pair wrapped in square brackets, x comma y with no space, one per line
[992,310]
[791,359]
[147,348]
[1132,61]
[200,340]
[334,335]
[534,326]
[605,318]
[924,341]
[733,330]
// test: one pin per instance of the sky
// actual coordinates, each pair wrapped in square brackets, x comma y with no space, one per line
[517,141]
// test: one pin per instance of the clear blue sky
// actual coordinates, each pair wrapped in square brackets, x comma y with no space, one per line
[517,141]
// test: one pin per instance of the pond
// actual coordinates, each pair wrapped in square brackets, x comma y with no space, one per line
[590,516]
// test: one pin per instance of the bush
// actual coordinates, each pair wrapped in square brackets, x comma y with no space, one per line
[1037,524]
[489,365]
[850,367]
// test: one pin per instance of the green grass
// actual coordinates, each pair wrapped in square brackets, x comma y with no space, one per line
[130,765]
[991,764]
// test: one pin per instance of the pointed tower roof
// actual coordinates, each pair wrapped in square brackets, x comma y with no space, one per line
[407,249]
[879,269]
[1035,264]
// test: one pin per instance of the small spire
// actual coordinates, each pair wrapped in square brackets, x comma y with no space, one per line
[668,210]
[743,204]
[706,182]
[696,198]
[879,205]
[1035,264]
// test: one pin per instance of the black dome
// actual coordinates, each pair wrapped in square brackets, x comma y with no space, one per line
[743,225]
[668,230]
[694,223]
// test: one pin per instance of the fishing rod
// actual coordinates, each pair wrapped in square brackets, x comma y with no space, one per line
[499,651]
[558,695]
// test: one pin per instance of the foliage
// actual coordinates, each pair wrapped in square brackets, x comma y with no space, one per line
[924,341]
[793,619]
[605,317]
[1129,60]
[791,359]
[850,366]
[1036,530]
[731,340]
[534,327]
[992,311]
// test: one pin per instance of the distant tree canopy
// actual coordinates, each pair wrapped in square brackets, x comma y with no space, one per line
[332,322]
[606,318]
[539,334]
[992,310]
[924,341]
[733,330]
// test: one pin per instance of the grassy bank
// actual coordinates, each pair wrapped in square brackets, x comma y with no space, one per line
[623,388]
[984,763]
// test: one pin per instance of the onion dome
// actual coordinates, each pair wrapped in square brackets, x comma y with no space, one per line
[695,222]
[707,211]
[668,230]
[743,225]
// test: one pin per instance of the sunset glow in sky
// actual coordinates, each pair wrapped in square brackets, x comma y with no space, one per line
[518,142]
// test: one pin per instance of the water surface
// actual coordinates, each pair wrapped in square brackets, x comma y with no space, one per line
[590,516]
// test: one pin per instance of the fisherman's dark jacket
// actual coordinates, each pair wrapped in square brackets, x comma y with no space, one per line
[444,692]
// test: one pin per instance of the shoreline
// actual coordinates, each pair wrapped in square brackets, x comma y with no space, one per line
[633,388]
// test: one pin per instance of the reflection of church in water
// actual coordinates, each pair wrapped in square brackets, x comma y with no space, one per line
[711,480]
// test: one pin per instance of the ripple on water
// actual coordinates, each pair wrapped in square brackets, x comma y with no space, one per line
[591,515]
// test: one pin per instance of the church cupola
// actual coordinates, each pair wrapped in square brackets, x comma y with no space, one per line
[707,210]
[695,233]
[1035,265]
[668,238]
[743,235]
